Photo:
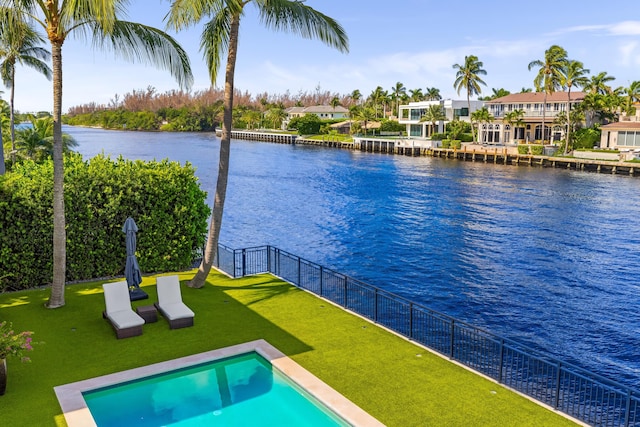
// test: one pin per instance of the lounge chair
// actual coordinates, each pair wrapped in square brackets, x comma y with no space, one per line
[170,303]
[124,320]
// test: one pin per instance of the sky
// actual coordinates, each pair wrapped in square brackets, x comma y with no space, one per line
[415,42]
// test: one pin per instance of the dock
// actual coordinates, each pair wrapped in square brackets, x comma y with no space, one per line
[504,155]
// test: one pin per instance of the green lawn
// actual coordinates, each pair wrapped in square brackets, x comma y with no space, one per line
[396,381]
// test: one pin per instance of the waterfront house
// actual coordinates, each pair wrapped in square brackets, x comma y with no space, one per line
[504,130]
[623,135]
[411,114]
[322,111]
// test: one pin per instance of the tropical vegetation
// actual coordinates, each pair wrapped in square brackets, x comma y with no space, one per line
[164,198]
[100,20]
[468,78]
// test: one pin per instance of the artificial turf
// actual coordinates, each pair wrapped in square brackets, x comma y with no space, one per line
[394,380]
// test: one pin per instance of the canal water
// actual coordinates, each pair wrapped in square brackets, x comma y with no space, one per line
[547,257]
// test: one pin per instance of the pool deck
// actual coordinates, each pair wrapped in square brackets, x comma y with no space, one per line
[77,413]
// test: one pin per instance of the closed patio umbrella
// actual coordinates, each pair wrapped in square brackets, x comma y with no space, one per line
[131,269]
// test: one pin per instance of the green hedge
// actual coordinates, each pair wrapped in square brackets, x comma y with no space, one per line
[534,149]
[164,198]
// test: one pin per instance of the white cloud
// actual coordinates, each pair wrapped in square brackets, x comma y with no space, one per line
[626,28]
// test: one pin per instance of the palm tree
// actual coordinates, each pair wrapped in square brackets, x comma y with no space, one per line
[433,114]
[220,34]
[366,115]
[633,96]
[514,118]
[137,42]
[20,44]
[432,94]
[573,74]
[276,116]
[549,75]
[598,83]
[416,95]
[498,93]
[355,96]
[481,116]
[377,98]
[335,102]
[468,78]
[397,92]
[36,142]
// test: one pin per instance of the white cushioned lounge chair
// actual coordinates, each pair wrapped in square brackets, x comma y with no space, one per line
[118,311]
[170,303]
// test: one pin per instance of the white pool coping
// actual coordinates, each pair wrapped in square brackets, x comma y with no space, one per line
[77,414]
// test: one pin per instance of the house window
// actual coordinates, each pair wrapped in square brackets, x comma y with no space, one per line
[417,113]
[461,112]
[415,130]
[629,138]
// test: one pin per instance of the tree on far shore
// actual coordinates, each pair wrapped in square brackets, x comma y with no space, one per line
[468,78]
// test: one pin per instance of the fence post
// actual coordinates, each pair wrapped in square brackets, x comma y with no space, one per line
[410,320]
[375,307]
[556,401]
[628,409]
[345,292]
[269,259]
[501,364]
[321,279]
[234,263]
[453,327]
[244,262]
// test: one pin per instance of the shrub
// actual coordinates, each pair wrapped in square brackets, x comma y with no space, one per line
[523,149]
[586,138]
[446,143]
[537,150]
[438,136]
[456,144]
[466,137]
[163,197]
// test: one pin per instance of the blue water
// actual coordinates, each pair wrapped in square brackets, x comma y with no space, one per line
[548,257]
[239,391]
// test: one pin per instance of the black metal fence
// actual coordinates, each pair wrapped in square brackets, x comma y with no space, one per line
[577,392]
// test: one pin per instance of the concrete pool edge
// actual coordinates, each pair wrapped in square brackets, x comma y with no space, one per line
[76,412]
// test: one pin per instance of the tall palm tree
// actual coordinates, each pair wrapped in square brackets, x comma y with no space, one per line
[20,44]
[573,74]
[468,78]
[397,92]
[432,94]
[377,98]
[98,19]
[220,34]
[335,102]
[549,75]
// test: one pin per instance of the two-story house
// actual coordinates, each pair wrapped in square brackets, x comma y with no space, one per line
[506,128]
[412,114]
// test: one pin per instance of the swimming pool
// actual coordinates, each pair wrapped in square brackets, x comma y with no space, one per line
[248,384]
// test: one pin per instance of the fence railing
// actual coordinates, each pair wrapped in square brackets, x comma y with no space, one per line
[577,392]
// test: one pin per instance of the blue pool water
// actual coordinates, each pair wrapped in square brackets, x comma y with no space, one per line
[242,390]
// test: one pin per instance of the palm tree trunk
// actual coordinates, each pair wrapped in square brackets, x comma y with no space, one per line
[568,135]
[12,115]
[544,110]
[473,132]
[211,248]
[59,234]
